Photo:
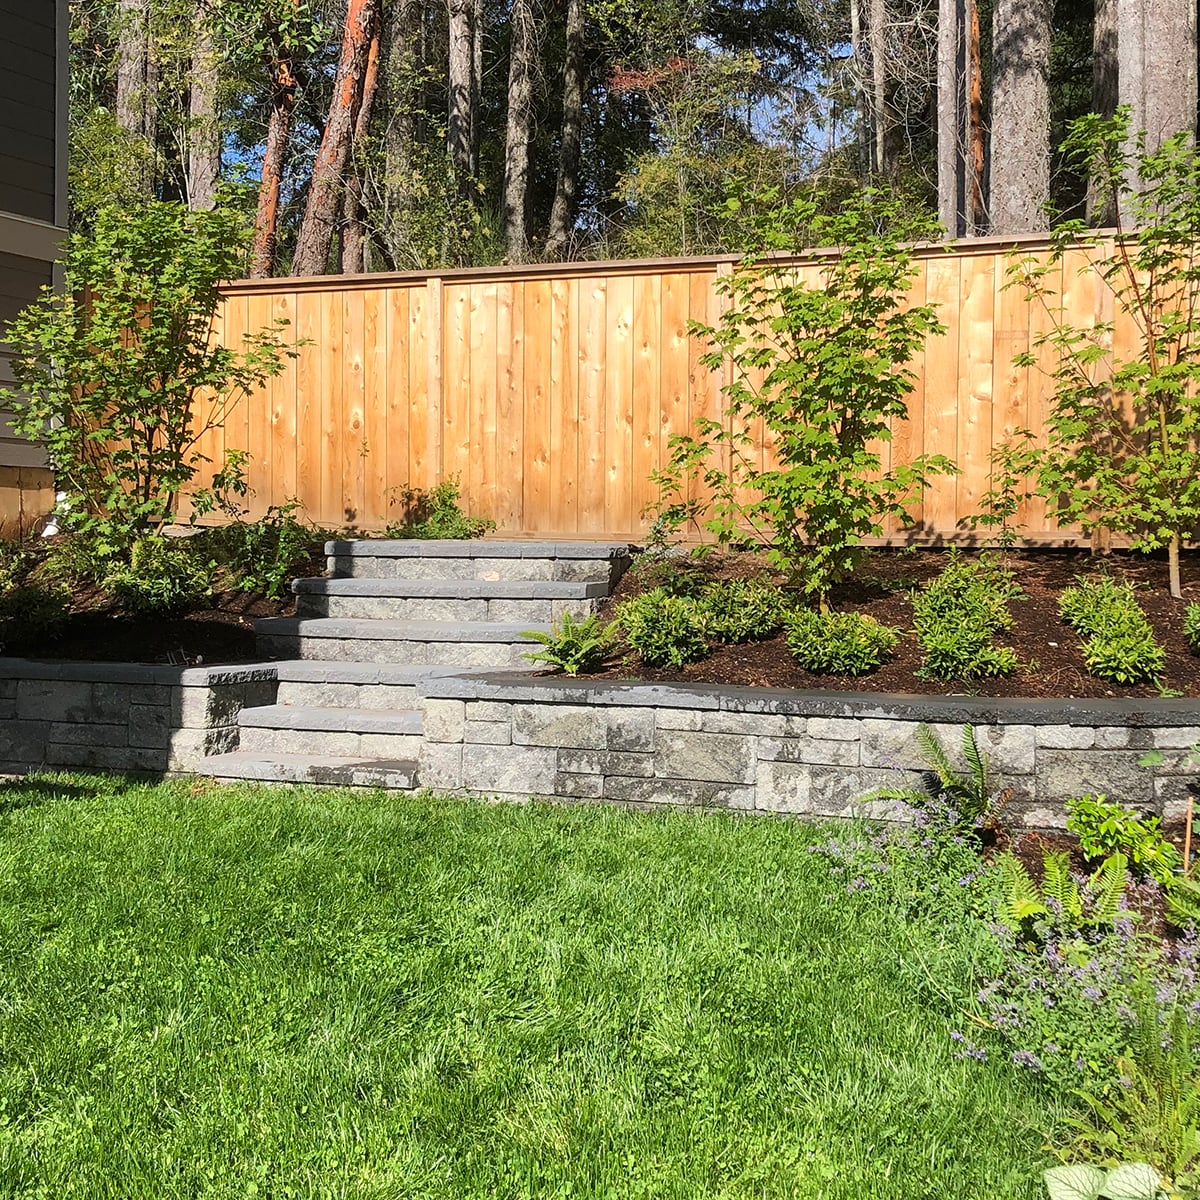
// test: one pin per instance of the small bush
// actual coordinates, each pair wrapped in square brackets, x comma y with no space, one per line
[839,643]
[31,612]
[262,557]
[163,576]
[957,616]
[665,630]
[741,610]
[1105,827]
[1191,628]
[435,513]
[573,646]
[1118,641]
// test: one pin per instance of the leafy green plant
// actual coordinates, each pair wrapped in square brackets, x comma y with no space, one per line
[973,796]
[1008,487]
[434,513]
[839,643]
[163,576]
[574,646]
[957,616]
[1118,641]
[741,610]
[665,630]
[1060,902]
[822,364]
[110,369]
[1105,827]
[1191,627]
[31,612]
[262,557]
[1123,432]
[1086,1181]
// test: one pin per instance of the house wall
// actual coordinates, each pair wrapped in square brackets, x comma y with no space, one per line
[33,211]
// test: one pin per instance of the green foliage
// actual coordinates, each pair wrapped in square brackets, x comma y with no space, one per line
[15,562]
[1123,432]
[1191,627]
[839,643]
[163,576]
[957,616]
[741,610]
[31,612]
[1085,1181]
[574,646]
[665,630]
[1118,641]
[109,369]
[262,557]
[1010,465]
[1060,903]
[1105,827]
[822,365]
[434,513]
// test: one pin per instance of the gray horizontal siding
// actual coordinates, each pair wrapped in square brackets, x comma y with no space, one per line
[29,103]
[20,281]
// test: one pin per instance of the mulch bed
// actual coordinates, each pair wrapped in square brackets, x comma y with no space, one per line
[1049,651]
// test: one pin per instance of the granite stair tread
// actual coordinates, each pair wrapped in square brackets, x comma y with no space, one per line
[275,767]
[330,719]
[374,629]
[419,548]
[452,589]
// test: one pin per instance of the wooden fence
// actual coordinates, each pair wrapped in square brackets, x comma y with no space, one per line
[551,392]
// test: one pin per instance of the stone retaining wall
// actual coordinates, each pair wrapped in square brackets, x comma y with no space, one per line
[122,716]
[788,752]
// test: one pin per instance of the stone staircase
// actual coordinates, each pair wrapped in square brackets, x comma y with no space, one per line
[391,614]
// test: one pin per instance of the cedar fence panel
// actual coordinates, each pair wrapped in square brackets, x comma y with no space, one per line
[551,393]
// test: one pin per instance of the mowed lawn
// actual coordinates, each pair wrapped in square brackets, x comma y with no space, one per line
[250,992]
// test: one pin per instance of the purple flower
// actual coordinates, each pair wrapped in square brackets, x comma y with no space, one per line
[1026,1058]
[1094,994]
[857,884]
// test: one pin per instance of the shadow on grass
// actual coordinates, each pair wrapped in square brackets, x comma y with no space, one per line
[31,791]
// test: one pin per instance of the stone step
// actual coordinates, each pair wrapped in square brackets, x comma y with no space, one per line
[336,770]
[353,684]
[492,561]
[307,729]
[446,600]
[416,643]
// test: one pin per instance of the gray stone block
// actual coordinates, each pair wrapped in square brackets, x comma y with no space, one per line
[605,762]
[440,766]
[79,733]
[714,757]
[1180,738]
[525,770]
[53,700]
[809,750]
[23,742]
[150,726]
[579,787]
[1065,737]
[751,724]
[783,787]
[631,729]
[1122,737]
[1063,774]
[106,758]
[837,729]
[677,718]
[691,793]
[893,744]
[444,720]
[559,725]
[489,710]
[488,733]
[835,792]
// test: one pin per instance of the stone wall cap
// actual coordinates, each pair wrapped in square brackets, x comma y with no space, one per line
[135,673]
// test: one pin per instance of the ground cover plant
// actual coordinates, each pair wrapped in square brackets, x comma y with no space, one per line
[237,991]
[1118,640]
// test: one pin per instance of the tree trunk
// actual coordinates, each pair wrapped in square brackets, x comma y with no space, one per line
[877,38]
[976,208]
[476,84]
[1104,100]
[204,131]
[324,195]
[514,202]
[279,125]
[137,79]
[354,239]
[860,91]
[460,103]
[566,189]
[1020,178]
[949,88]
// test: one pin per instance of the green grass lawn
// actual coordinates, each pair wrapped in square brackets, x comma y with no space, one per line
[235,992]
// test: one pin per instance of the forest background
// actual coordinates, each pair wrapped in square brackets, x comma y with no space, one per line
[367,135]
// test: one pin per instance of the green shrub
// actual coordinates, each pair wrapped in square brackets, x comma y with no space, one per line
[163,576]
[838,643]
[15,561]
[1118,641]
[1104,828]
[1191,628]
[573,646]
[434,513]
[665,630]
[31,612]
[741,610]
[262,557]
[957,616]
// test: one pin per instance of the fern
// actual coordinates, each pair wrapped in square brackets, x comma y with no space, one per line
[1059,887]
[1106,890]
[1020,902]
[935,756]
[573,646]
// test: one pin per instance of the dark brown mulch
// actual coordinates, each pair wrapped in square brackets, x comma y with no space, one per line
[1048,649]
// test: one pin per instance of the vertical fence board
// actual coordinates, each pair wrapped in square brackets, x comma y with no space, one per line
[593,433]
[283,407]
[564,406]
[976,357]
[943,284]
[536,398]
[618,414]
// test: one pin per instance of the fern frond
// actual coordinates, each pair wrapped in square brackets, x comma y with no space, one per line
[978,762]
[935,756]
[1058,885]
[1020,899]
[1106,889]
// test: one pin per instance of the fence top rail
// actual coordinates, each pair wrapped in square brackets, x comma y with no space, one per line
[1029,242]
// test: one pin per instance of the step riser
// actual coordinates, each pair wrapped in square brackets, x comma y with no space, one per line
[558,570]
[452,654]
[411,608]
[328,742]
[396,777]
[348,695]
